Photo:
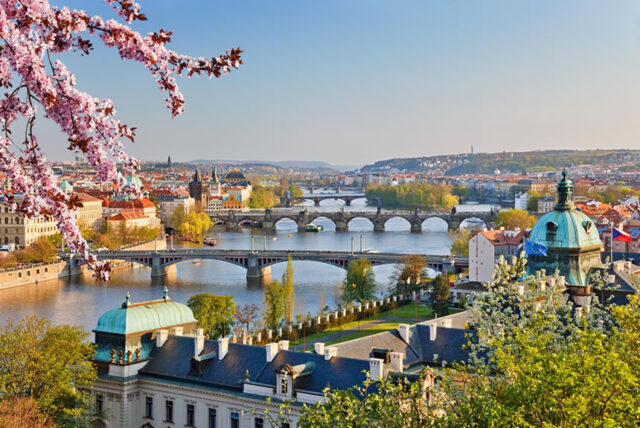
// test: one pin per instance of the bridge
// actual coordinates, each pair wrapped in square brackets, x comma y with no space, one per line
[258,263]
[268,218]
[316,198]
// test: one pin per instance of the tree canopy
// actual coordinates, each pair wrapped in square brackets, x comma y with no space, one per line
[510,219]
[536,360]
[215,314]
[359,283]
[431,196]
[263,197]
[274,305]
[50,364]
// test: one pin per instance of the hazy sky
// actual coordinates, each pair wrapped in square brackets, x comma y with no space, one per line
[354,81]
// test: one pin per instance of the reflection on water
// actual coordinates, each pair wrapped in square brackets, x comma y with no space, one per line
[81,300]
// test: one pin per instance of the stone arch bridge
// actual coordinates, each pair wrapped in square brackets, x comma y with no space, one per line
[267,219]
[258,263]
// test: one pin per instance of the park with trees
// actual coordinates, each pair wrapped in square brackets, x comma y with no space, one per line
[415,195]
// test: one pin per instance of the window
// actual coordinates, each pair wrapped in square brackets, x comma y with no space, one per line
[259,423]
[99,404]
[235,420]
[552,228]
[286,425]
[190,415]
[148,408]
[283,385]
[168,411]
[212,418]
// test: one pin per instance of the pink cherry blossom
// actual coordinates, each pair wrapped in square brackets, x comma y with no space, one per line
[33,32]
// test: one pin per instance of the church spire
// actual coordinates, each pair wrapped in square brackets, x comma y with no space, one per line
[565,189]
[214,175]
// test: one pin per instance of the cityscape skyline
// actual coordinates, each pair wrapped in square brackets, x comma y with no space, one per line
[351,83]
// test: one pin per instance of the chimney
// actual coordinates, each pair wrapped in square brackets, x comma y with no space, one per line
[405,332]
[198,342]
[283,345]
[223,347]
[319,348]
[161,337]
[376,368]
[396,361]
[177,331]
[445,322]
[272,351]
[330,352]
[433,329]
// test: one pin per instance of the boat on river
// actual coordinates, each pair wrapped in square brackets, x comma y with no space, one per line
[210,241]
[313,228]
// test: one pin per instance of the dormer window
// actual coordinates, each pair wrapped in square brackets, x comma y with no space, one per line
[552,228]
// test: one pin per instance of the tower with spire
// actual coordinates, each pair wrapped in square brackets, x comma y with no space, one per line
[572,240]
[199,189]
[216,185]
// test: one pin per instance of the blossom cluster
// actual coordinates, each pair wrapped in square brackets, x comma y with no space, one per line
[32,33]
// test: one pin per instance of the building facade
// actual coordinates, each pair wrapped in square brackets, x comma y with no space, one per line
[21,231]
[486,247]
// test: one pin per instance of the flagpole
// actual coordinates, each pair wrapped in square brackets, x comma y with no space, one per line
[611,244]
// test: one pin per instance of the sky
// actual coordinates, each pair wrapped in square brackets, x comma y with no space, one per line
[354,81]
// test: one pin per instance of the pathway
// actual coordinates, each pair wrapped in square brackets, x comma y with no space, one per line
[336,335]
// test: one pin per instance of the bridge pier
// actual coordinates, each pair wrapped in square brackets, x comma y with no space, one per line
[416,226]
[341,225]
[347,201]
[256,272]
[378,224]
[316,202]
[157,269]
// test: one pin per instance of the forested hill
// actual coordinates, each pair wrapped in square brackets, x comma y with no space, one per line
[514,162]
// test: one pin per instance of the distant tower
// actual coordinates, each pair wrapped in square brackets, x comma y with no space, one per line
[216,185]
[169,162]
[198,189]
[472,149]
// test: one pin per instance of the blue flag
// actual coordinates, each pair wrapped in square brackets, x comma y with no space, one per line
[534,248]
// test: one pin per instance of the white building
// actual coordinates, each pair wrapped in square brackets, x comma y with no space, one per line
[155,369]
[486,247]
[520,201]
[167,207]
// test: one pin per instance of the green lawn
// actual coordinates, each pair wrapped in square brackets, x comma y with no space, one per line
[385,326]
[402,314]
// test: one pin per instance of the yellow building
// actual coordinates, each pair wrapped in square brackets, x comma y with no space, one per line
[89,211]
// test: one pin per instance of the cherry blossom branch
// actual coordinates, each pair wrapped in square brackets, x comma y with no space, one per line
[32,30]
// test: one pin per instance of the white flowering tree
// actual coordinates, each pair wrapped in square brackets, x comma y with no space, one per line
[33,34]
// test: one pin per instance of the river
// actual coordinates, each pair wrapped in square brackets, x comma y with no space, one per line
[81,300]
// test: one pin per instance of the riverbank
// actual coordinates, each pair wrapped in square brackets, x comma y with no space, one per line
[35,273]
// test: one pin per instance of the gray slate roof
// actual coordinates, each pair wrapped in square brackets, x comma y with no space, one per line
[173,361]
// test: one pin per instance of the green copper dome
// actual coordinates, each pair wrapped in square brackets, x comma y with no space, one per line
[568,234]
[145,316]
[133,180]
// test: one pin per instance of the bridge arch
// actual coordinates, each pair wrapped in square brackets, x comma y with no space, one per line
[286,223]
[231,260]
[473,222]
[361,224]
[218,221]
[323,221]
[332,201]
[247,221]
[435,223]
[397,223]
